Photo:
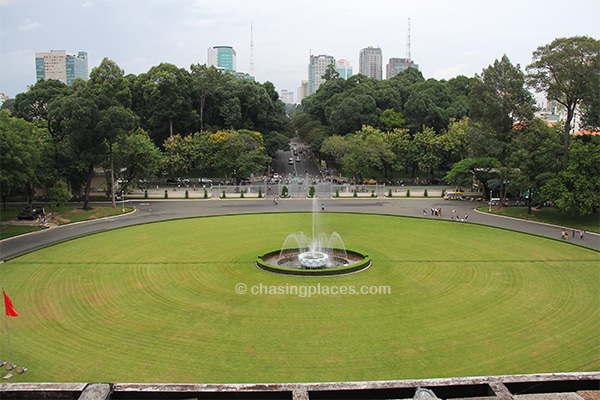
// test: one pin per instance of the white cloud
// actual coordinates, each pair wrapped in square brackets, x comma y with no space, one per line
[87,4]
[29,25]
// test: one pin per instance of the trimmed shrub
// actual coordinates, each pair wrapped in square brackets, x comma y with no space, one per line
[311,192]
[284,191]
[205,194]
[337,192]
[390,193]
[260,193]
[407,192]
[146,193]
[223,196]
[425,194]
[166,194]
[355,194]
[187,194]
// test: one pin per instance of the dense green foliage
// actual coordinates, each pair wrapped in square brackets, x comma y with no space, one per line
[169,120]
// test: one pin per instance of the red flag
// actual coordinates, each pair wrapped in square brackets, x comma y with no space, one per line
[10,309]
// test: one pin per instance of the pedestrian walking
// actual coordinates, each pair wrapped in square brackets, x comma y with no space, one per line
[581,234]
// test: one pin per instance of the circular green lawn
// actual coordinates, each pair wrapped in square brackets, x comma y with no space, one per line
[181,301]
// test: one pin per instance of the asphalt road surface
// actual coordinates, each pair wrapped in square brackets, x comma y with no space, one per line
[161,210]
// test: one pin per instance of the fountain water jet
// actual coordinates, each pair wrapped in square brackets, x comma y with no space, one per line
[320,251]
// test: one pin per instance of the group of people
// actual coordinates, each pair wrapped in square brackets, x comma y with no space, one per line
[437,212]
[565,234]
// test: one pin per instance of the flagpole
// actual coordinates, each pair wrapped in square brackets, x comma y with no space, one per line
[8,340]
[7,332]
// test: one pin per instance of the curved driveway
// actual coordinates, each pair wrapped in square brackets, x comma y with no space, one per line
[161,210]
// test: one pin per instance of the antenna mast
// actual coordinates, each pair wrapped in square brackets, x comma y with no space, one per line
[408,42]
[251,50]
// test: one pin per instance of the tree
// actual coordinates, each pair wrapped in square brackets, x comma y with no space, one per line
[163,101]
[179,154]
[427,106]
[59,194]
[110,91]
[76,117]
[427,150]
[367,149]
[499,101]
[482,168]
[576,188]
[352,113]
[390,120]
[534,156]
[22,165]
[137,157]
[568,70]
[34,106]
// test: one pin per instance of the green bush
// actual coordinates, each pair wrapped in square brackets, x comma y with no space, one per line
[443,193]
[166,194]
[284,191]
[311,192]
[59,194]
[407,192]
[205,194]
[425,194]
[260,193]
[223,196]
[337,192]
[187,194]
[242,194]
[355,194]
[390,193]
[146,193]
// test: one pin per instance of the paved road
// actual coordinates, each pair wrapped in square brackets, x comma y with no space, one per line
[161,210]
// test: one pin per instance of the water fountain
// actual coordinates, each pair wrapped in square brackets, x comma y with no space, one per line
[319,254]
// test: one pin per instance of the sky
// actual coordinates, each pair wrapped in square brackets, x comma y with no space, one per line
[447,37]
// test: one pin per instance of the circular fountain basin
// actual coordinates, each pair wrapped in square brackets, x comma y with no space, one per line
[313,259]
[300,262]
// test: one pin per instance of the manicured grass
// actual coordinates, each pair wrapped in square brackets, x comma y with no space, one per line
[160,303]
[550,215]
[60,216]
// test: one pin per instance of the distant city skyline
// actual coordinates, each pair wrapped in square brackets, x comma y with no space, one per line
[448,38]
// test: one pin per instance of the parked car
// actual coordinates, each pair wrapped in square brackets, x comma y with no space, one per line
[31,213]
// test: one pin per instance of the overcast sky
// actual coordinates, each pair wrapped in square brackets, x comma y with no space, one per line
[448,37]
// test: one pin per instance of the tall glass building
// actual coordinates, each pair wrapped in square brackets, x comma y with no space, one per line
[60,65]
[222,57]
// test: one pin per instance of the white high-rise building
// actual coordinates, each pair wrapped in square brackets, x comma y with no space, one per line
[370,62]
[316,69]
[62,66]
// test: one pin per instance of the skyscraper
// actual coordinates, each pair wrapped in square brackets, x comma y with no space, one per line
[302,91]
[344,69]
[316,69]
[222,57]
[397,65]
[370,62]
[60,65]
